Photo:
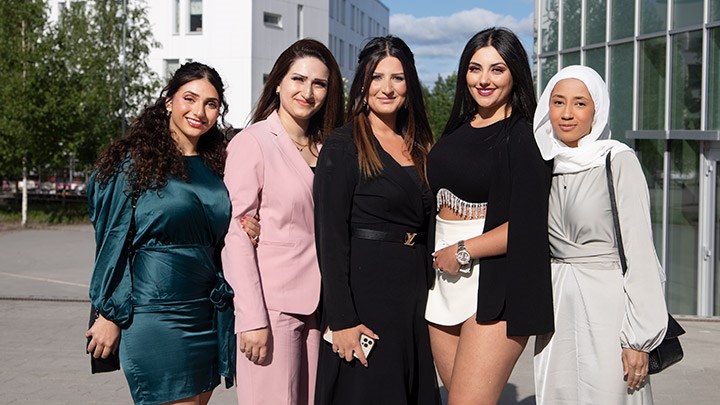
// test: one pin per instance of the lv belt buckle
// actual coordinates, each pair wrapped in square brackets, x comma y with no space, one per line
[410,238]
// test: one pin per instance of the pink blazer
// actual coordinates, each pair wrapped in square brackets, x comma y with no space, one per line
[266,175]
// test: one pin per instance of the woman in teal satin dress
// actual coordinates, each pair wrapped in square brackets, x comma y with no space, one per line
[168,298]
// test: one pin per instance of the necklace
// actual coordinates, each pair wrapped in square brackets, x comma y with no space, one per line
[300,147]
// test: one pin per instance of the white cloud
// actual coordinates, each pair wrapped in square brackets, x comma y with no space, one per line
[437,41]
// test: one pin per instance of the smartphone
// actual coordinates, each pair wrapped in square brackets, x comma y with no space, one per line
[366,342]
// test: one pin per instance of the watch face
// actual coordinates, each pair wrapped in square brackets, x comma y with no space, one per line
[463,257]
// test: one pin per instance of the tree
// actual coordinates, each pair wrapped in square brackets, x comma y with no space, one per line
[439,102]
[22,24]
[62,83]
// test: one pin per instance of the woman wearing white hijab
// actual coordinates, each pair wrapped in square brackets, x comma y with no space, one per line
[605,323]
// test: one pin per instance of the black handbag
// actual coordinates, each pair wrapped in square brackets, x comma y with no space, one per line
[112,363]
[670,351]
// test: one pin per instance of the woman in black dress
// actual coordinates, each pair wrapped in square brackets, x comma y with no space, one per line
[372,206]
[492,286]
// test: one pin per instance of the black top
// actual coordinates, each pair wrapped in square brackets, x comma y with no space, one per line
[516,286]
[473,147]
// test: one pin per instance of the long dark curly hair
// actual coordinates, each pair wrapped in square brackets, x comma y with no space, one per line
[152,152]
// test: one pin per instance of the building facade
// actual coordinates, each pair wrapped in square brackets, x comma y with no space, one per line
[242,39]
[661,60]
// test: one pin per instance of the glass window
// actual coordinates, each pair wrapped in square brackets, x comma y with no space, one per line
[362,23]
[352,17]
[343,6]
[549,25]
[300,22]
[687,12]
[650,152]
[685,84]
[171,65]
[341,57]
[595,58]
[714,10]
[572,58]
[651,85]
[716,289]
[595,16]
[683,210]
[623,19]
[196,15]
[621,90]
[272,20]
[713,86]
[549,68]
[653,16]
[176,17]
[571,23]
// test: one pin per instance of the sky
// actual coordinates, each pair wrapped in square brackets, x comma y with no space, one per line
[437,30]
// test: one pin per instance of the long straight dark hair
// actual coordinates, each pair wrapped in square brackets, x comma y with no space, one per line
[522,96]
[412,122]
[329,116]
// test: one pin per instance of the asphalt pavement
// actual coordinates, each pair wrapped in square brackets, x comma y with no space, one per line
[44,275]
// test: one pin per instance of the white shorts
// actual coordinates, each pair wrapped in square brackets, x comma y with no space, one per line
[453,299]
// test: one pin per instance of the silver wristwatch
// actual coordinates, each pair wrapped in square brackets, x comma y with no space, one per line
[463,257]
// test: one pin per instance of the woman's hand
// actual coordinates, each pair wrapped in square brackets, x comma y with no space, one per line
[347,341]
[445,261]
[635,367]
[251,226]
[104,338]
[254,344]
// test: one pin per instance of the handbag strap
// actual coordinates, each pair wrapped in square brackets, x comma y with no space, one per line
[616,217]
[132,230]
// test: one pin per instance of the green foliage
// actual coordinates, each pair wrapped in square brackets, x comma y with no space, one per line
[439,101]
[48,213]
[62,81]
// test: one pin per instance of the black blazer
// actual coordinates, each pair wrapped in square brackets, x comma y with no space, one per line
[391,202]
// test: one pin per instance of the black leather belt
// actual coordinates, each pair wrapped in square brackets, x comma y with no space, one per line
[406,238]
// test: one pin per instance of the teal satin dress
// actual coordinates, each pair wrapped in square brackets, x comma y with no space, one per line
[170,298]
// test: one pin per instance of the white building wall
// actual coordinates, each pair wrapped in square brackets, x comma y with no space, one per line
[224,43]
[242,47]
[270,39]
[352,23]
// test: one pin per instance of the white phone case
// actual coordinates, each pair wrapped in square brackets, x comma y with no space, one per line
[366,342]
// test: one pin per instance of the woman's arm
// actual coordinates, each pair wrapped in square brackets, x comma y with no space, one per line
[244,173]
[110,285]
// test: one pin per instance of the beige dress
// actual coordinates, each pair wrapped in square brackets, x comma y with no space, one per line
[597,310]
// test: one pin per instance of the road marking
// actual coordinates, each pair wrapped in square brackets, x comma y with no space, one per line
[47,280]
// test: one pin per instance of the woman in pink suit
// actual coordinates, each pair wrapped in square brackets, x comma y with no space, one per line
[269,173]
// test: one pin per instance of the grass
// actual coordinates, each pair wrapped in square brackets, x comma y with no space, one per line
[47,213]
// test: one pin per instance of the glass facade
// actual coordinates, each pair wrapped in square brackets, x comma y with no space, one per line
[572,58]
[651,83]
[595,22]
[686,80]
[549,68]
[713,85]
[549,25]
[714,10]
[650,152]
[623,19]
[571,23]
[595,58]
[653,16]
[683,210]
[621,94]
[661,60]
[687,13]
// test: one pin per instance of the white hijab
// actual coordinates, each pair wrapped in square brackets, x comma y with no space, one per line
[593,147]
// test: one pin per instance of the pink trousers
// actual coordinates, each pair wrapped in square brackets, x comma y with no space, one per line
[287,376]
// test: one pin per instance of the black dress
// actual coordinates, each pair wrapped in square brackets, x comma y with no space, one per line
[381,284]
